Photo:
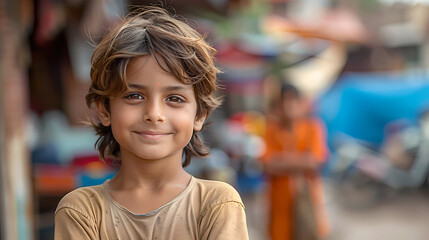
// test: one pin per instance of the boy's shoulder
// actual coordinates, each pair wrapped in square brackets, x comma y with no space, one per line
[84,200]
[217,192]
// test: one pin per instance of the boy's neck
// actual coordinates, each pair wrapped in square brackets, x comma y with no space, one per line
[137,173]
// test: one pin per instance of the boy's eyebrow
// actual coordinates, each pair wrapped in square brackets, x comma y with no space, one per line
[169,88]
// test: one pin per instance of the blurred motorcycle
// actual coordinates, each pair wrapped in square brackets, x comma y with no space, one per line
[365,175]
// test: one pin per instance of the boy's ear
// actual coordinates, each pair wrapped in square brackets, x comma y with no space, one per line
[198,123]
[103,114]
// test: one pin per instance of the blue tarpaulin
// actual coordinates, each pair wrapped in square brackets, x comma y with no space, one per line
[361,104]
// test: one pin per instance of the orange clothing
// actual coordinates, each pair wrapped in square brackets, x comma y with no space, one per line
[306,136]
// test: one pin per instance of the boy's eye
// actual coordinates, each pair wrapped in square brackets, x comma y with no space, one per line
[134,96]
[175,99]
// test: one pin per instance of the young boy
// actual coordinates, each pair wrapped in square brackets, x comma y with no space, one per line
[153,84]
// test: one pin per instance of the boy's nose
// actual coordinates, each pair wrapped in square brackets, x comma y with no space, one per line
[153,112]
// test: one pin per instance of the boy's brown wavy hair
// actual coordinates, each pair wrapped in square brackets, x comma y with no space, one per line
[182,51]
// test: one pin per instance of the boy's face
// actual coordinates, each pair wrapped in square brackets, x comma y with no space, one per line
[155,117]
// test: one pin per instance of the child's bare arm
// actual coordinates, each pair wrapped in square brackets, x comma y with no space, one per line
[291,162]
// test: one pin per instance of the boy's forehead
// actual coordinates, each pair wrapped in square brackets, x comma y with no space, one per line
[138,62]
[144,65]
[145,70]
[149,65]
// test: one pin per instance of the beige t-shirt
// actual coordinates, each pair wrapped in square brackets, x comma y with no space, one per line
[204,210]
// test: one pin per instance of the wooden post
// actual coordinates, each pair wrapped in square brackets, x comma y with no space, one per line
[16,212]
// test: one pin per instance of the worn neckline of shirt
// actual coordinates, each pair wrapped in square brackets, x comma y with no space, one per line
[106,192]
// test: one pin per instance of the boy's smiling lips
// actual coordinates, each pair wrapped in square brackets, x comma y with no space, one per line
[152,135]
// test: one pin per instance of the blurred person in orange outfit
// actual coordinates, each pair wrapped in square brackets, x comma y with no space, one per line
[295,148]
